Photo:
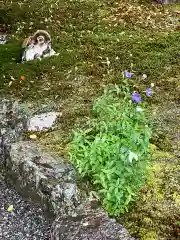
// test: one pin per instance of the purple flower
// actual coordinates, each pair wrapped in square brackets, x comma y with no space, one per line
[149,92]
[128,74]
[136,97]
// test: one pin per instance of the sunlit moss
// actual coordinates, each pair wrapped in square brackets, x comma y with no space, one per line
[147,220]
[161,154]
[156,213]
[176,197]
[145,235]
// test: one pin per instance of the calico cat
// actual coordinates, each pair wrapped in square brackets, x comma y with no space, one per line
[37,46]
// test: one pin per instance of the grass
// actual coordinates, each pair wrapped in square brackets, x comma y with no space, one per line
[87,34]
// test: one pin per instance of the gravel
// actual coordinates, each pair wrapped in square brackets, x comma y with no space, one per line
[26,221]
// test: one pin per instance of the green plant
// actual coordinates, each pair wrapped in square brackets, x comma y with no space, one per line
[112,151]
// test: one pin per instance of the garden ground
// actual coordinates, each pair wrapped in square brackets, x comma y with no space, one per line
[97,40]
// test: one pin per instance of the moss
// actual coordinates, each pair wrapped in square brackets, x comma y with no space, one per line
[147,220]
[155,181]
[161,154]
[158,205]
[152,148]
[53,182]
[176,198]
[149,235]
[162,141]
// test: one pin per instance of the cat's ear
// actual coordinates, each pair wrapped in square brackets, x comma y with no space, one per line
[26,42]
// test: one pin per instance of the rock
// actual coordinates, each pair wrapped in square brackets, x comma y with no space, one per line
[90,224]
[43,121]
[12,126]
[42,177]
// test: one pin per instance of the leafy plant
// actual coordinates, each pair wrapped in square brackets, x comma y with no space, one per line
[112,151]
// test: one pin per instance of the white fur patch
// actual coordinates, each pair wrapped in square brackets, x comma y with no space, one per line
[29,53]
[32,50]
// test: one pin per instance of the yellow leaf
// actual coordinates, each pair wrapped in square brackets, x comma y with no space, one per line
[10,83]
[12,78]
[10,208]
[33,136]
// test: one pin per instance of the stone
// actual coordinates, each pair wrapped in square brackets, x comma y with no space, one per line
[42,122]
[40,176]
[88,223]
[12,126]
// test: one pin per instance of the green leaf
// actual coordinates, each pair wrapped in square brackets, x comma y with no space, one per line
[132,156]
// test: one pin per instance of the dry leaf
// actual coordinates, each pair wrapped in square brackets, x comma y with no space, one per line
[85,224]
[10,208]
[33,136]
[152,84]
[10,83]
[144,76]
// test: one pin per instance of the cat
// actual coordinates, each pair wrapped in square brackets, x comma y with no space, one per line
[3,38]
[37,47]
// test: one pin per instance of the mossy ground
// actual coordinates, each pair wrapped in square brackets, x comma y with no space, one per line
[131,35]
[156,214]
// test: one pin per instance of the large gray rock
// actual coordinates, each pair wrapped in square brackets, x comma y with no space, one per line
[42,122]
[41,176]
[12,126]
[87,223]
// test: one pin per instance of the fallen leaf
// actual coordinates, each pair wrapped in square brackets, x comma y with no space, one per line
[22,78]
[85,224]
[144,76]
[30,105]
[10,83]
[10,208]
[152,84]
[33,136]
